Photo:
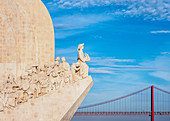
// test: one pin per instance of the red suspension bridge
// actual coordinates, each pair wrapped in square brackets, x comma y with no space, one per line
[149,101]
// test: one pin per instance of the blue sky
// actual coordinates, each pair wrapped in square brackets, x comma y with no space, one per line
[128,42]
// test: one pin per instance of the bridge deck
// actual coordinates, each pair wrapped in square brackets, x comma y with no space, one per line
[120,113]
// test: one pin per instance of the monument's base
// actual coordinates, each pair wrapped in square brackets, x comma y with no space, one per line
[60,105]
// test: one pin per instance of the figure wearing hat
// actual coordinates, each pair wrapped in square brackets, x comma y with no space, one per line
[81,57]
[81,60]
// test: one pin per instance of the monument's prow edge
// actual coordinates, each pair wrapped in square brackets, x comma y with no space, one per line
[51,93]
[74,107]
[57,106]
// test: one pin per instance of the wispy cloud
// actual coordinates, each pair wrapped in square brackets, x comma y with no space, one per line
[78,21]
[128,68]
[69,53]
[82,3]
[163,64]
[161,74]
[100,71]
[161,31]
[116,66]
[69,25]
[49,3]
[165,53]
[108,60]
[62,26]
[65,34]
[97,36]
[149,9]
[106,86]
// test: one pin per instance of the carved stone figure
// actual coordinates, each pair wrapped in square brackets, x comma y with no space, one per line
[24,82]
[82,59]
[57,63]
[23,85]
[34,89]
[9,85]
[1,102]
[8,93]
[75,70]
[44,82]
[46,66]
[36,82]
[65,68]
[55,79]
[56,67]
[50,69]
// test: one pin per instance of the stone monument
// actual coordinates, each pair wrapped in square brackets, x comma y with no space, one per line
[34,87]
[26,35]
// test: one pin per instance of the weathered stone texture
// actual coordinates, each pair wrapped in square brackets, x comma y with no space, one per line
[26,35]
[59,105]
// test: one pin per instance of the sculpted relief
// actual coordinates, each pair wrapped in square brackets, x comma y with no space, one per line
[36,81]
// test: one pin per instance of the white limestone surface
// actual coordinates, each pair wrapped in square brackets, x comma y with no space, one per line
[59,105]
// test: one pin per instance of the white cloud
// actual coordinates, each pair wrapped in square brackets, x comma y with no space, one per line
[61,26]
[49,3]
[163,64]
[118,66]
[107,60]
[128,68]
[106,87]
[70,53]
[100,71]
[97,37]
[70,25]
[161,31]
[149,9]
[78,21]
[65,34]
[164,53]
[111,65]
[161,74]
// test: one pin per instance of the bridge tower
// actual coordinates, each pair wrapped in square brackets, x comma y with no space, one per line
[152,103]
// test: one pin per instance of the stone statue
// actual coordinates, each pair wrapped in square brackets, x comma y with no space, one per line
[75,70]
[1,101]
[81,60]
[23,83]
[65,68]
[55,74]
[34,89]
[44,82]
[56,64]
[9,94]
[35,82]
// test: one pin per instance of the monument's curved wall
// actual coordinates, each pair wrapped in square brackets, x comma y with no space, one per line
[26,35]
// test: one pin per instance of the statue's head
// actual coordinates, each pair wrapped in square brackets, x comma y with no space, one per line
[57,59]
[22,77]
[42,69]
[77,66]
[81,46]
[9,76]
[30,73]
[46,65]
[34,68]
[63,59]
